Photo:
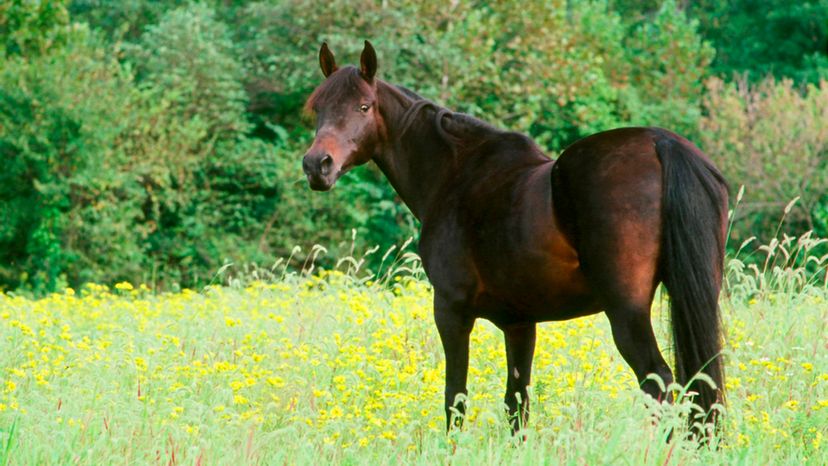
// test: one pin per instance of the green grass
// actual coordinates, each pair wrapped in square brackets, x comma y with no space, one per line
[326,368]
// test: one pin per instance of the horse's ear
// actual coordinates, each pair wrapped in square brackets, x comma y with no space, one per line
[368,62]
[326,60]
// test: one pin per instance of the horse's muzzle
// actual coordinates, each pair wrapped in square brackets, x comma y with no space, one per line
[319,169]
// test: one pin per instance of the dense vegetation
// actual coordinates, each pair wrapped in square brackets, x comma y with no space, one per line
[345,367]
[153,141]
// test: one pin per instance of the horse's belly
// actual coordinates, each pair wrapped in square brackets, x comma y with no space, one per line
[557,290]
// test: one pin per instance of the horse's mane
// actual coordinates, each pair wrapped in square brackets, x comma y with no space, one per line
[453,127]
[408,92]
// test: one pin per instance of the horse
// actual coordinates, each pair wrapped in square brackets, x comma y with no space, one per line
[514,237]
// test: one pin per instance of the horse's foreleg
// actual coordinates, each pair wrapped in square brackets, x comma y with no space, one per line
[520,348]
[454,330]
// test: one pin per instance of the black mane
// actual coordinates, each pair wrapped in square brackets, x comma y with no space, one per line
[458,130]
[408,92]
[455,128]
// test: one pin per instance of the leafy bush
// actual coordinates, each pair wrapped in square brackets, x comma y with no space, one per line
[32,28]
[164,139]
[123,19]
[772,138]
[778,37]
[108,179]
[669,62]
[557,70]
[65,205]
[189,55]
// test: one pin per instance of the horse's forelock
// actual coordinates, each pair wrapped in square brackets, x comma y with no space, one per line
[338,86]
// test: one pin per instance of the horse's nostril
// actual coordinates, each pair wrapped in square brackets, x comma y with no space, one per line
[325,164]
[306,165]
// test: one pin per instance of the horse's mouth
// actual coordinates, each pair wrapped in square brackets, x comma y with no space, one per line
[320,183]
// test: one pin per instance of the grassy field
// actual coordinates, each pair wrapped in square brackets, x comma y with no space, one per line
[326,368]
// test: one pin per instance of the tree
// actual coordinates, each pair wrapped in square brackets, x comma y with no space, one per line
[757,38]
[189,54]
[32,28]
[65,206]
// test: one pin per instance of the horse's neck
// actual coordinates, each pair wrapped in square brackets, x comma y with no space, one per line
[416,160]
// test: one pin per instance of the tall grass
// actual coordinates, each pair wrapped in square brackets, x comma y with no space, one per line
[292,364]
[792,267]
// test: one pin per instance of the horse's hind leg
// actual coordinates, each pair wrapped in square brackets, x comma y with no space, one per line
[633,335]
[520,347]
[617,209]
[625,279]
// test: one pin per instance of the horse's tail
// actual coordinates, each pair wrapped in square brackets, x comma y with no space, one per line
[695,197]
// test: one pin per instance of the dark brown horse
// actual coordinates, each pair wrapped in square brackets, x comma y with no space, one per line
[516,238]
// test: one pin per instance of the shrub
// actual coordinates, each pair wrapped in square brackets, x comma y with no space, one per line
[163,157]
[32,28]
[64,203]
[557,70]
[668,64]
[772,138]
[756,39]
[190,55]
[122,19]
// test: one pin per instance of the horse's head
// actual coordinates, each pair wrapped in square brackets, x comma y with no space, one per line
[348,123]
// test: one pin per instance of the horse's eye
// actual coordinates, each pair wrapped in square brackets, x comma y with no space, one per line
[364,108]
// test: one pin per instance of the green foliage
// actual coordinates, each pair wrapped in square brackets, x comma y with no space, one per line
[156,140]
[189,55]
[62,199]
[110,179]
[757,38]
[772,138]
[125,19]
[669,62]
[105,180]
[30,28]
[557,70]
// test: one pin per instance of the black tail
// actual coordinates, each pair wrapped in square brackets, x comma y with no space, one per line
[695,217]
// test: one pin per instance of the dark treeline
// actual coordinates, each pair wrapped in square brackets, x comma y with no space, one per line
[153,141]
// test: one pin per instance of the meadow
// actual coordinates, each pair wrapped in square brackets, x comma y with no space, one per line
[341,366]
[151,141]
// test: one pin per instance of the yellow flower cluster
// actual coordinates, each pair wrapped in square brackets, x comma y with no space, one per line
[329,358]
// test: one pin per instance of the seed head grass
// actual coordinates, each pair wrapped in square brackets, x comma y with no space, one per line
[325,367]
